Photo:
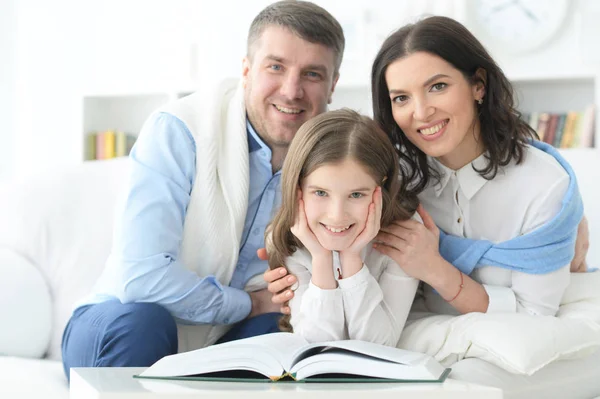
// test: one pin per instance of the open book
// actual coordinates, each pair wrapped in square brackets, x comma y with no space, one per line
[287,356]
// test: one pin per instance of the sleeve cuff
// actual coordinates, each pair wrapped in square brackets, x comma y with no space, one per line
[501,299]
[360,278]
[236,306]
[319,293]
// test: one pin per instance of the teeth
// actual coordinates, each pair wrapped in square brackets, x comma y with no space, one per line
[433,130]
[287,110]
[334,230]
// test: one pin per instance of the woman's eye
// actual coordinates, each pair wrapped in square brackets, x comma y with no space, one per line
[356,195]
[439,86]
[400,99]
[320,193]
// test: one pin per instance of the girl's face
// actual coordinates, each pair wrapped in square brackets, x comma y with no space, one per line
[434,105]
[336,202]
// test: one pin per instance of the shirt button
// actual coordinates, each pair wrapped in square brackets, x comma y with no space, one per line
[459,220]
[226,321]
[256,231]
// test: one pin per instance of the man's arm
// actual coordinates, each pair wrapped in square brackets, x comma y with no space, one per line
[149,231]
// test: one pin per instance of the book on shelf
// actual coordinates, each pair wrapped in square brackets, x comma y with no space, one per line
[107,144]
[571,129]
[289,357]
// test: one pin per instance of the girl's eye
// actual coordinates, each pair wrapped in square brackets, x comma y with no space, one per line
[400,99]
[438,86]
[356,195]
[320,193]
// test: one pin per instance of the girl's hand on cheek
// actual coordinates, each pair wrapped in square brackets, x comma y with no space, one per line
[303,232]
[371,228]
[412,245]
[350,257]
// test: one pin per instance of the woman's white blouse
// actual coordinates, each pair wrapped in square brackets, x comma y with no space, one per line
[371,305]
[518,200]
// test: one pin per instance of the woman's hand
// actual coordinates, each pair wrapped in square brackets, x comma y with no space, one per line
[578,264]
[350,257]
[412,245]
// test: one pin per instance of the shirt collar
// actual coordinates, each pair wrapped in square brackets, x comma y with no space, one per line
[469,180]
[254,142]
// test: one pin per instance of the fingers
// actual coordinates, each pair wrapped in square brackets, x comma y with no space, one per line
[285,310]
[262,254]
[391,240]
[283,297]
[387,250]
[273,275]
[427,219]
[282,284]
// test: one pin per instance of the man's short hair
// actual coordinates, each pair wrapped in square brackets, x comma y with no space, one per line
[304,19]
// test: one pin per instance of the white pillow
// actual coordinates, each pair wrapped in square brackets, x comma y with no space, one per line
[25,308]
[518,343]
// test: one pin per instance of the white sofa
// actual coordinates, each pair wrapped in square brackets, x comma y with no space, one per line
[55,234]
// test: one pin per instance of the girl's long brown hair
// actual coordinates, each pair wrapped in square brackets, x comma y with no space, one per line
[331,138]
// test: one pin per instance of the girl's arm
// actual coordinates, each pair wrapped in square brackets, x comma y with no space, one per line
[317,314]
[376,311]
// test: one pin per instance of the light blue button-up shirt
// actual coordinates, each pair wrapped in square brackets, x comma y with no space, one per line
[151,228]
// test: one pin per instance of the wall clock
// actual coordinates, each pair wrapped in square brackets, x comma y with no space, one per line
[517,26]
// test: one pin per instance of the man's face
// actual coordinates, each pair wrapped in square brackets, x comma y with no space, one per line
[287,81]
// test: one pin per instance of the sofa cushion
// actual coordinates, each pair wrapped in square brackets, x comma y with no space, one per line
[26,311]
[61,221]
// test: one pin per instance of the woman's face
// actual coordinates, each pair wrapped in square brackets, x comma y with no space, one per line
[435,106]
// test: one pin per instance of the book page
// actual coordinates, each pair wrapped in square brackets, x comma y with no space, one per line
[365,358]
[265,354]
[375,350]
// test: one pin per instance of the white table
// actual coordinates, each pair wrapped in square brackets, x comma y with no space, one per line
[118,383]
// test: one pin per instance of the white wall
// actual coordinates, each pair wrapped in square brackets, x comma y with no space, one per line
[7,84]
[68,48]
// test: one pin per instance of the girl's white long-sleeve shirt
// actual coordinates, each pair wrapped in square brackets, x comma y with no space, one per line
[371,305]
[518,200]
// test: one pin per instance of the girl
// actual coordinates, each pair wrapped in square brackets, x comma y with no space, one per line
[339,184]
[478,171]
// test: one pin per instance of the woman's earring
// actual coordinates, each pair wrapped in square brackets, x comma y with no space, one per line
[480,101]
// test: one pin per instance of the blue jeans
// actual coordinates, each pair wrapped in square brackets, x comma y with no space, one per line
[112,334]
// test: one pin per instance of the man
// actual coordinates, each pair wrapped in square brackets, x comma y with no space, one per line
[204,183]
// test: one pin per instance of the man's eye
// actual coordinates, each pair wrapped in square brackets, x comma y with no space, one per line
[313,75]
[320,193]
[276,67]
[356,195]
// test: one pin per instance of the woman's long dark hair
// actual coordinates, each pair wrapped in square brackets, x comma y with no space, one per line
[503,133]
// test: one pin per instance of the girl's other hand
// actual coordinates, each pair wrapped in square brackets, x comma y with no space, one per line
[371,228]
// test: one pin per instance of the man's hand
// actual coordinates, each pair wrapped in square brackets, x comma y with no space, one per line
[261,303]
[578,264]
[279,284]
